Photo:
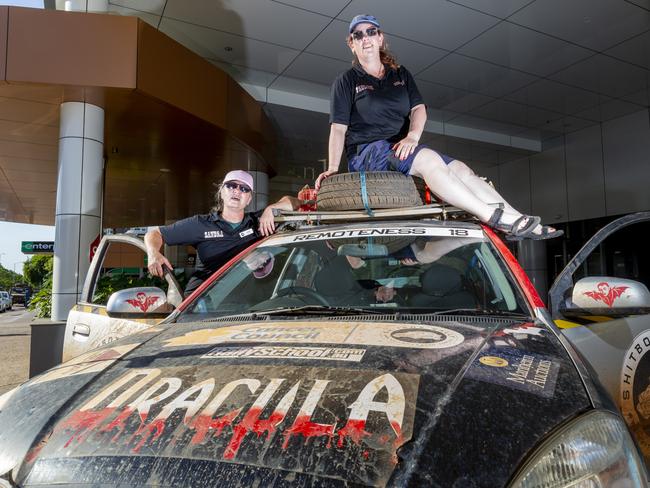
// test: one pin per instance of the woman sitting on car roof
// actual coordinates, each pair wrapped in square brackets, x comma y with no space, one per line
[219,235]
[378,115]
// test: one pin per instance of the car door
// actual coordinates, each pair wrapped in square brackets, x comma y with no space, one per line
[118,264]
[613,337]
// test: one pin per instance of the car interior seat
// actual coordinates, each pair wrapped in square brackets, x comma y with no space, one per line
[442,287]
[336,283]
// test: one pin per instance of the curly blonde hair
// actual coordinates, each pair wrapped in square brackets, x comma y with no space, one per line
[218,201]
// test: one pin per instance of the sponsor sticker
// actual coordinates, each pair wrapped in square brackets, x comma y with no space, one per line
[281,417]
[635,390]
[246,232]
[495,361]
[415,336]
[516,369]
[296,352]
[375,232]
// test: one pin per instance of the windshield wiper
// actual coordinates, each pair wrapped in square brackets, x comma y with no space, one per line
[319,310]
[481,311]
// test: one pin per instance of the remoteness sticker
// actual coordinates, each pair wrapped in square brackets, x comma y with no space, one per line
[296,352]
[375,232]
[414,336]
[516,369]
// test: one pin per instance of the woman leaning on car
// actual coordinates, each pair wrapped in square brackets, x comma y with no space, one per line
[219,235]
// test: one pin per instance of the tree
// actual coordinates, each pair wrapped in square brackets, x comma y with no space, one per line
[8,278]
[36,269]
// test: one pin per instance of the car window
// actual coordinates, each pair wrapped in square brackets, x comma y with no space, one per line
[415,275]
[622,254]
[124,266]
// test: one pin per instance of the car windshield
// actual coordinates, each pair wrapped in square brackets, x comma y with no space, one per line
[376,270]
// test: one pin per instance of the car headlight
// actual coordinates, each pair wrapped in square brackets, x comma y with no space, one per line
[593,451]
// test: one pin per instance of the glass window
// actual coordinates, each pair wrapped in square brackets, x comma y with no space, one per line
[124,266]
[622,254]
[412,275]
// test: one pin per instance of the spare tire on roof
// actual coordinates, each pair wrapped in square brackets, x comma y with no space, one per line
[385,189]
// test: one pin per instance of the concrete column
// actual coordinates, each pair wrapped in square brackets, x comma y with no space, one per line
[532,257]
[261,198]
[78,201]
[175,209]
[82,5]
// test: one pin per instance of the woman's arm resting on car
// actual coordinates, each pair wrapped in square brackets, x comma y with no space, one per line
[153,241]
[267,224]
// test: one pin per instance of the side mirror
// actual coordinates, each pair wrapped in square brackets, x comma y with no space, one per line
[135,303]
[605,295]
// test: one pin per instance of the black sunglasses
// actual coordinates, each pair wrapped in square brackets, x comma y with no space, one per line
[370,32]
[242,188]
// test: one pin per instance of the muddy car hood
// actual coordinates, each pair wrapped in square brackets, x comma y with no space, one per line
[283,402]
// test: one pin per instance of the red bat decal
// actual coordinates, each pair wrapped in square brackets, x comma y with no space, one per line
[142,301]
[606,293]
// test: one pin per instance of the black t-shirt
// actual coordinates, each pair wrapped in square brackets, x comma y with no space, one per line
[214,239]
[373,109]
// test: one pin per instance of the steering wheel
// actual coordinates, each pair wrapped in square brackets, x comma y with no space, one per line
[304,291]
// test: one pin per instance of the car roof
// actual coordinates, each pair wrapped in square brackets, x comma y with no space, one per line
[434,214]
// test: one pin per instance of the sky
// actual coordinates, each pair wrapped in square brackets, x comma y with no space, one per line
[11,235]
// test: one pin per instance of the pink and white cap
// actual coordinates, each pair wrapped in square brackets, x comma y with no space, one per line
[241,176]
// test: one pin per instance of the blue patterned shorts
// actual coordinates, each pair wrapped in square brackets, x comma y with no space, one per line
[379,156]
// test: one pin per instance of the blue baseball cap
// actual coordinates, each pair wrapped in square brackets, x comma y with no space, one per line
[364,18]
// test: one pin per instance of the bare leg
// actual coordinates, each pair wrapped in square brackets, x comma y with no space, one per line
[442,181]
[478,186]
[482,189]
[433,250]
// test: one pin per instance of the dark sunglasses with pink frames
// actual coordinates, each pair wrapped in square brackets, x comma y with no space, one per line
[369,32]
[232,186]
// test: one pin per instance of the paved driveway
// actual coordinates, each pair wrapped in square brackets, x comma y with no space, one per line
[15,335]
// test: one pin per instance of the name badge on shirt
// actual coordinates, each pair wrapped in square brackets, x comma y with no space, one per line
[246,232]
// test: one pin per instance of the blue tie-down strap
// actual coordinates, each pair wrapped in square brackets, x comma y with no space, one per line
[364,194]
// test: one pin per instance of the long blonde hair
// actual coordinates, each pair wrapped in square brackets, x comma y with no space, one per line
[218,200]
[385,56]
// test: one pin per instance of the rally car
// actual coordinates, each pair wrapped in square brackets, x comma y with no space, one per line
[405,349]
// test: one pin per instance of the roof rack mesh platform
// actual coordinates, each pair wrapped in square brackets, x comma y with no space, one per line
[435,211]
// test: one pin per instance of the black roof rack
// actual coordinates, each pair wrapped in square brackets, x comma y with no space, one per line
[316,217]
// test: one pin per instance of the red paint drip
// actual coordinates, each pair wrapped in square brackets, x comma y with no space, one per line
[305,427]
[151,432]
[118,423]
[204,423]
[269,425]
[252,423]
[399,440]
[83,422]
[246,425]
[355,430]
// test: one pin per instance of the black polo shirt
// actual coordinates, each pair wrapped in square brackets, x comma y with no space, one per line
[214,239]
[373,109]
